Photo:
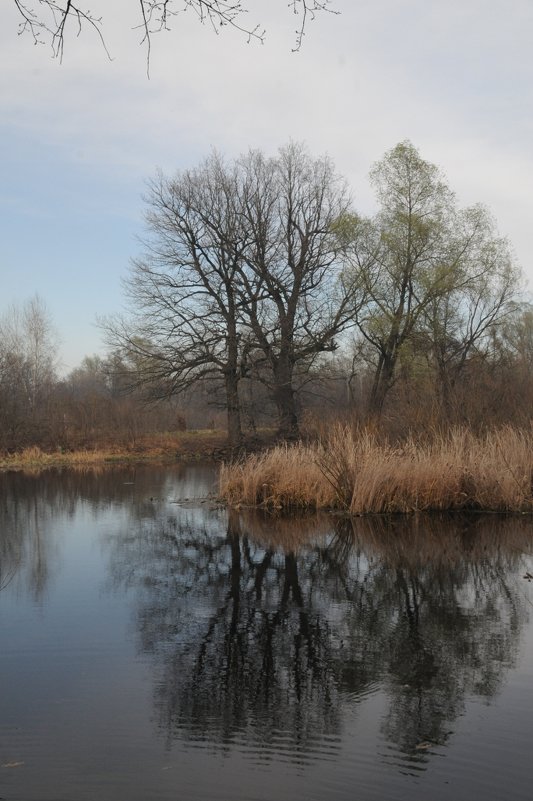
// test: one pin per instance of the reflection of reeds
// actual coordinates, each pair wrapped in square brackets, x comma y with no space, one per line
[286,534]
[438,540]
[442,540]
[355,472]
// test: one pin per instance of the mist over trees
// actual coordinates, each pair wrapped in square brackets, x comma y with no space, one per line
[262,298]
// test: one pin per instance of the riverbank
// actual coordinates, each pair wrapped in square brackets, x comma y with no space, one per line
[354,472]
[186,445]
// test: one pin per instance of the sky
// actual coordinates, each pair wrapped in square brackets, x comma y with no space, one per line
[79,139]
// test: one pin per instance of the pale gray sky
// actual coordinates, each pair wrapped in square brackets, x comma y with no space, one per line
[79,139]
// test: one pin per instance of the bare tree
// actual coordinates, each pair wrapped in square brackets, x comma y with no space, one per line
[242,268]
[46,21]
[185,325]
[295,297]
[28,363]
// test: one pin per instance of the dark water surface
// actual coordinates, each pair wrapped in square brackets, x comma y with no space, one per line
[153,646]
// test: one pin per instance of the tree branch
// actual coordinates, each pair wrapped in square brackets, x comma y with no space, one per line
[46,20]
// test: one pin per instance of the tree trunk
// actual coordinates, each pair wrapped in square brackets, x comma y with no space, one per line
[445,393]
[233,409]
[381,385]
[285,402]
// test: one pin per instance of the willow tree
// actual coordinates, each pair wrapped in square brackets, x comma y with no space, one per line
[430,271]
[459,325]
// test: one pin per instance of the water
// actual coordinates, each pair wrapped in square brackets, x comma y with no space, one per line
[154,646]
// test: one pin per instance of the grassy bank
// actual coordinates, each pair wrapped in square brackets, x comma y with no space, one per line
[356,473]
[185,445]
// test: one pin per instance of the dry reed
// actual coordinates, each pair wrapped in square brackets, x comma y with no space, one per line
[283,477]
[354,472]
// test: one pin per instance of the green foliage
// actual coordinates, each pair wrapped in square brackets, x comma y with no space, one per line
[433,277]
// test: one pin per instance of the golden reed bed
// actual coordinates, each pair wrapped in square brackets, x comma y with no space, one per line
[354,472]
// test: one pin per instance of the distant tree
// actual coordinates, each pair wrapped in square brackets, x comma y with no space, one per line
[46,21]
[28,363]
[517,338]
[508,367]
[99,409]
[461,323]
[91,376]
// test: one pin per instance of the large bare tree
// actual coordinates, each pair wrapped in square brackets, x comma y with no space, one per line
[296,300]
[242,268]
[183,292]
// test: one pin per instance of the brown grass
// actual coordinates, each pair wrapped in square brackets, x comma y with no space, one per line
[154,447]
[283,477]
[35,458]
[356,473]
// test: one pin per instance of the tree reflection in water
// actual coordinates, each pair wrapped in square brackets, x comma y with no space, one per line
[32,501]
[453,611]
[263,629]
[26,541]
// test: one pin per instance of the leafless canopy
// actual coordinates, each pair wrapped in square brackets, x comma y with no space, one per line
[243,273]
[47,20]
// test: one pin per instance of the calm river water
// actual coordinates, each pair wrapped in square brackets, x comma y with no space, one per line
[154,646]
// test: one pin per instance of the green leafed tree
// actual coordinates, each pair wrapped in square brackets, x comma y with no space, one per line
[461,323]
[434,277]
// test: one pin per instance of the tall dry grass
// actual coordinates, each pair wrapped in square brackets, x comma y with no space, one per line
[355,472]
[286,476]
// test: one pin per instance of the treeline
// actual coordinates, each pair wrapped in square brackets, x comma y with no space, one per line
[87,408]
[263,298]
[95,405]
